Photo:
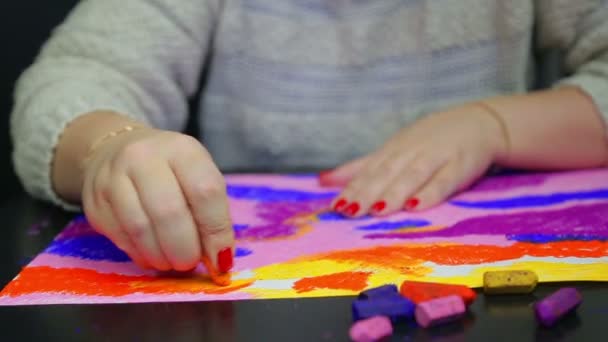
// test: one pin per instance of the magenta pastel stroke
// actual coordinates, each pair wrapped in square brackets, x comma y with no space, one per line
[583,220]
[508,182]
[277,215]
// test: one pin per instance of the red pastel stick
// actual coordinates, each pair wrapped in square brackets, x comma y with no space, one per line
[420,291]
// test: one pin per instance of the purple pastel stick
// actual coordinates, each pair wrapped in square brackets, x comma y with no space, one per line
[440,310]
[397,308]
[383,291]
[553,307]
[371,329]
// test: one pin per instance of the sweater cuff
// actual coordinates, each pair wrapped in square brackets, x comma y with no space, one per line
[36,140]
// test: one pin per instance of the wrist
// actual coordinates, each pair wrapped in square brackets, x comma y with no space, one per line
[74,144]
[494,129]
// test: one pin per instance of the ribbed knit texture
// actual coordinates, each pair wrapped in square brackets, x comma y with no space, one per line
[293,84]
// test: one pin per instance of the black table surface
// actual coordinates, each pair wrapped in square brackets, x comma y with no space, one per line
[498,318]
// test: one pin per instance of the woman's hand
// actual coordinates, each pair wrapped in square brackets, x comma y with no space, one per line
[160,198]
[423,164]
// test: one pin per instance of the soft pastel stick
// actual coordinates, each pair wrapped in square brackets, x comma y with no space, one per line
[388,290]
[440,310]
[553,307]
[508,282]
[420,291]
[371,329]
[396,308]
[221,279]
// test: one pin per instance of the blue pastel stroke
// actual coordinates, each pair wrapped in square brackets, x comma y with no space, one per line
[242,252]
[334,216]
[239,227]
[545,238]
[534,200]
[91,247]
[387,225]
[268,194]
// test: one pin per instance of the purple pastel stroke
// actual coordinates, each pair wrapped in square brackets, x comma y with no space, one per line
[79,226]
[582,220]
[276,215]
[508,182]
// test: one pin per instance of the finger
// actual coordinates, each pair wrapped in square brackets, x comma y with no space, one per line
[399,190]
[205,191]
[164,203]
[438,188]
[451,178]
[343,174]
[364,192]
[135,222]
[101,216]
[348,174]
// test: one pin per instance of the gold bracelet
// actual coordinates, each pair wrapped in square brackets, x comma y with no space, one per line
[112,134]
[503,126]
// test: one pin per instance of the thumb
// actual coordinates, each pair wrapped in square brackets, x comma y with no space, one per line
[343,174]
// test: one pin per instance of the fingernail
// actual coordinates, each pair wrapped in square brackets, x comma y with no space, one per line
[352,209]
[224,260]
[340,204]
[412,203]
[324,177]
[378,207]
[325,173]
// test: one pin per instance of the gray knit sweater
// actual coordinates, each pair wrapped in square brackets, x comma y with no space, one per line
[293,83]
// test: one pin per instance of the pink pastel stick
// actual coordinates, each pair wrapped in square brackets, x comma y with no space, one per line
[440,310]
[371,329]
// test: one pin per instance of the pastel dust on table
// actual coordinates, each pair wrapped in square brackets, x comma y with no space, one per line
[290,245]
[37,228]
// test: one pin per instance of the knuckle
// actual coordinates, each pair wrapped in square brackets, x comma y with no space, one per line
[137,228]
[135,153]
[184,143]
[168,211]
[215,229]
[418,170]
[209,190]
[442,186]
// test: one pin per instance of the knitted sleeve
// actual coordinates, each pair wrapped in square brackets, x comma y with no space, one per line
[141,58]
[580,30]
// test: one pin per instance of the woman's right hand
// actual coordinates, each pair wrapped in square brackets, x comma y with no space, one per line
[160,198]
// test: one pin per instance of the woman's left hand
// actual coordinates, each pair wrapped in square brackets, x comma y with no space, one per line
[422,165]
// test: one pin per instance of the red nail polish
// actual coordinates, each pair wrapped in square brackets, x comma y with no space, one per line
[352,209]
[378,206]
[340,204]
[325,173]
[324,177]
[412,203]
[224,260]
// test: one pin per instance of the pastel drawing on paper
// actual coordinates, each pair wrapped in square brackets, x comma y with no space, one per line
[289,246]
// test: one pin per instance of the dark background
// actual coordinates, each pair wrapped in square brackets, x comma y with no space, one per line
[24,26]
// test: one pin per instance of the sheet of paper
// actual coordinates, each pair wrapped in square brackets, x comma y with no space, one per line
[289,246]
